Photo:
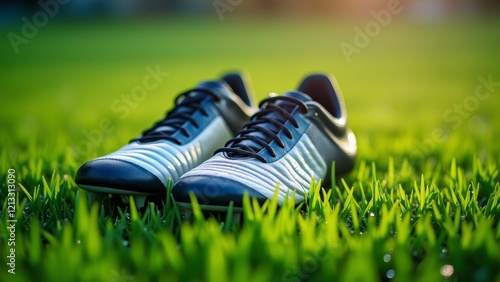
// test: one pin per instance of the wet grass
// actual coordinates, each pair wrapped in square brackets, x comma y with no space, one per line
[419,206]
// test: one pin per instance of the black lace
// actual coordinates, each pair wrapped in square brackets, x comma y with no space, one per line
[259,122]
[175,119]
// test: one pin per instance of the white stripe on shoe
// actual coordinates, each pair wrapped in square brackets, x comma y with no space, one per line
[169,161]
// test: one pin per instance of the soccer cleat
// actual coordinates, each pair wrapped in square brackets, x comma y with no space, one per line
[202,120]
[293,139]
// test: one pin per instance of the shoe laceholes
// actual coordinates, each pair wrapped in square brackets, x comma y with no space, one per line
[187,105]
[268,107]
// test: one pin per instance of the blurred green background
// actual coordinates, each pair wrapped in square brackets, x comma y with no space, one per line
[65,79]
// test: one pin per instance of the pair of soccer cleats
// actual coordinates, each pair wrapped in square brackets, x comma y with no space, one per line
[216,145]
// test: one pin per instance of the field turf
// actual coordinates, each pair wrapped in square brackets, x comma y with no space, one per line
[422,203]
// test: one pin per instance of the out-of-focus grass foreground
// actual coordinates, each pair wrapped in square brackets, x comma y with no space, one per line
[422,93]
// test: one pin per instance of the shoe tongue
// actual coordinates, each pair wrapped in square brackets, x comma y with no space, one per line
[298,95]
[275,115]
[219,87]
[289,106]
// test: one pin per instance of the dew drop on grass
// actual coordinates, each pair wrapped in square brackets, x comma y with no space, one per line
[78,242]
[125,243]
[372,214]
[390,273]
[387,257]
[444,253]
[65,177]
[447,270]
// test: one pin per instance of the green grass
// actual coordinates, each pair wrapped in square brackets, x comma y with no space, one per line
[411,210]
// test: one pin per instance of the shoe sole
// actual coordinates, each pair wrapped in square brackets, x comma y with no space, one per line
[107,190]
[210,208]
[94,192]
[216,208]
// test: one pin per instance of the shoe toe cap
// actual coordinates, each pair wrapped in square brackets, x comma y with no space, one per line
[116,176]
[213,191]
